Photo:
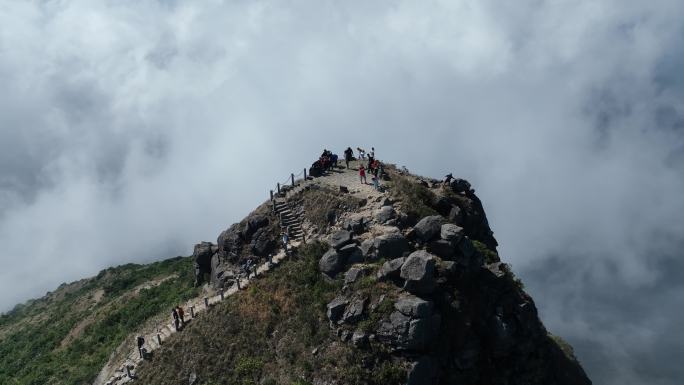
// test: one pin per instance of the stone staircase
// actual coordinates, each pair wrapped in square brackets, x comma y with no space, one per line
[126,371]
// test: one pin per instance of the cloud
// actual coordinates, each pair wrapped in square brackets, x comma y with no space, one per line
[131,130]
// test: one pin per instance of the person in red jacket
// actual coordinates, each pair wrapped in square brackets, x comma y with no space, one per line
[362,174]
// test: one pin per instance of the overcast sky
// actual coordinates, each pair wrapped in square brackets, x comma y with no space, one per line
[130,130]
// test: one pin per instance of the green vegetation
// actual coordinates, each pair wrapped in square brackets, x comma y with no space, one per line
[415,198]
[564,347]
[490,256]
[67,336]
[320,203]
[276,332]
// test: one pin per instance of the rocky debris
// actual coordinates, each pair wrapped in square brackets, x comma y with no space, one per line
[428,228]
[340,238]
[392,245]
[390,270]
[459,185]
[418,271]
[336,308]
[451,233]
[344,189]
[412,306]
[466,255]
[331,263]
[385,213]
[354,312]
[352,254]
[385,201]
[355,273]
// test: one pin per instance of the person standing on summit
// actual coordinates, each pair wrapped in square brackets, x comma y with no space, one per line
[348,153]
[362,174]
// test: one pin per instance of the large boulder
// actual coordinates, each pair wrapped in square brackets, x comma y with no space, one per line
[391,270]
[263,243]
[384,214]
[352,253]
[230,243]
[254,223]
[354,312]
[459,185]
[340,239]
[413,306]
[441,248]
[428,228]
[405,333]
[354,274]
[336,308]
[331,263]
[418,271]
[355,225]
[392,245]
[451,233]
[202,260]
[368,248]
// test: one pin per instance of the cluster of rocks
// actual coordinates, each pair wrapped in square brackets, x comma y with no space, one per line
[429,297]
[252,236]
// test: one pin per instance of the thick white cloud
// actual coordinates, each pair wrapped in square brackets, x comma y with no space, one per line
[130,130]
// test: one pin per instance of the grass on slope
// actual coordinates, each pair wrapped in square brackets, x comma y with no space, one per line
[268,334]
[34,346]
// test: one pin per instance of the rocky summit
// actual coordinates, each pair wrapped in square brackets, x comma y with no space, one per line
[395,284]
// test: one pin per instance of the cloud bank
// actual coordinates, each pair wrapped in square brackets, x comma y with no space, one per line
[130,130]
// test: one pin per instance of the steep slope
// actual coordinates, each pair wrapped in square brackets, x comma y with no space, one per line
[68,335]
[399,286]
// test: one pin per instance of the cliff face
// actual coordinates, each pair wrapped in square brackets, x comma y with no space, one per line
[415,291]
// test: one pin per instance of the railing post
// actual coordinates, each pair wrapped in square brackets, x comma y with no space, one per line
[158,337]
[206,302]
[128,371]
[221,294]
[192,311]
[292,176]
[255,270]
[271,194]
[238,282]
[305,174]
[278,185]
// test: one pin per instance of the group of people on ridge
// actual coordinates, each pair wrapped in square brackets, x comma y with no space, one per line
[373,166]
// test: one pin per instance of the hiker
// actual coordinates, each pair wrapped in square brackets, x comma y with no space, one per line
[141,342]
[362,174]
[362,153]
[176,319]
[447,179]
[286,240]
[376,167]
[181,315]
[376,183]
[333,160]
[371,158]
[348,154]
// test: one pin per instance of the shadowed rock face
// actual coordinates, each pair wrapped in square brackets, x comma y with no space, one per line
[452,318]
